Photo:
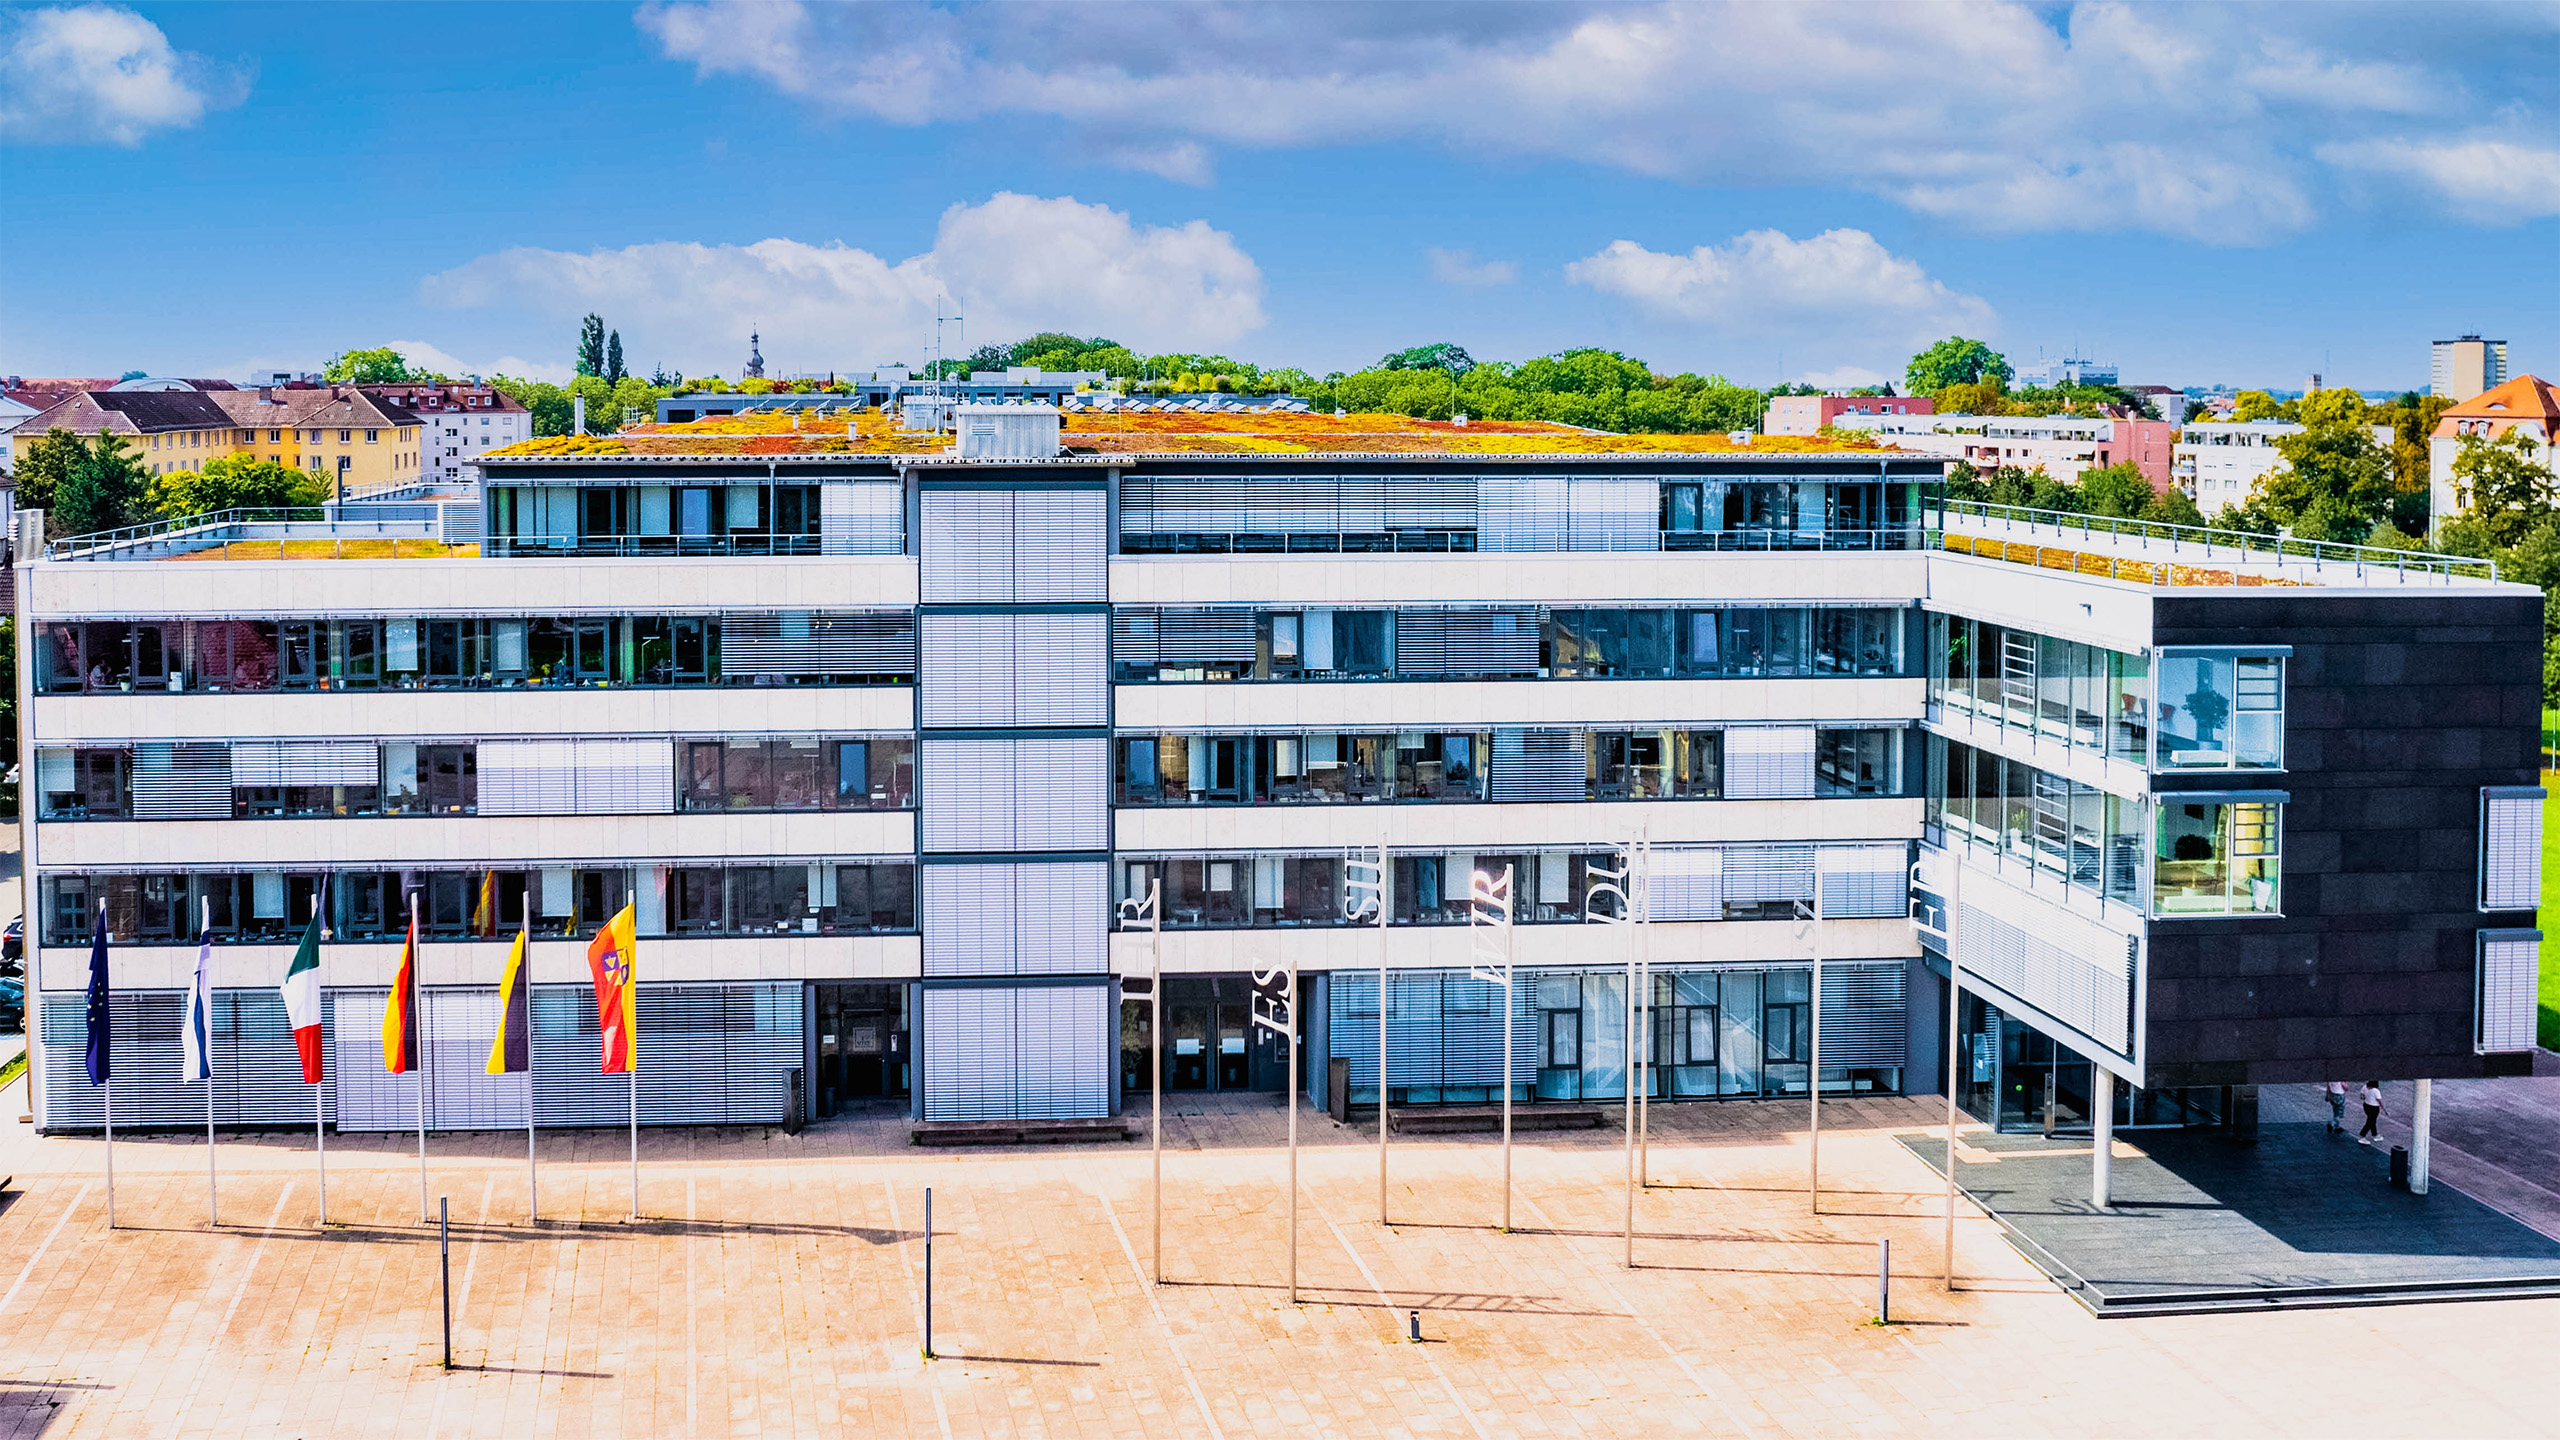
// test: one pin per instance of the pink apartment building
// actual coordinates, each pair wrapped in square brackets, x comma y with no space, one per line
[1806,414]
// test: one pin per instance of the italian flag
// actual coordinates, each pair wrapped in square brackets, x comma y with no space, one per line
[302,999]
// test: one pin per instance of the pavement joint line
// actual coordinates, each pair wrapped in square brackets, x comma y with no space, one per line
[1172,1342]
[1464,1409]
[238,1292]
[45,1244]
[915,1311]
[1618,1295]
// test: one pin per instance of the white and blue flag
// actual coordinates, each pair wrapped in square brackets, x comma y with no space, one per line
[196,1035]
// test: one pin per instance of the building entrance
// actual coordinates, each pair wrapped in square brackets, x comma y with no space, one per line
[862,1044]
[2018,1079]
[1210,1040]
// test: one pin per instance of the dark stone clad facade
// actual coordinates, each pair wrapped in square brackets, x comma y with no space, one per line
[2398,709]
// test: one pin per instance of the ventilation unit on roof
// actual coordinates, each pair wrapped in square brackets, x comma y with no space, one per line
[1008,432]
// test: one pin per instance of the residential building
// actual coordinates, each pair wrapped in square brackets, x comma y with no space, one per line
[460,423]
[2060,445]
[2525,405]
[1807,414]
[2220,463]
[879,734]
[2464,368]
[337,431]
[2068,370]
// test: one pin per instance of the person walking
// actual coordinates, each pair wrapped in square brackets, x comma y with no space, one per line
[2371,1134]
[2337,1107]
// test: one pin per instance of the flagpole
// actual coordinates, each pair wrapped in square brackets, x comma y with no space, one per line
[631,1055]
[106,1006]
[111,1150]
[320,1138]
[203,1006]
[524,977]
[413,1020]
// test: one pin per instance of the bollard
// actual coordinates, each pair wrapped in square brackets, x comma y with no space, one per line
[1413,1326]
[928,1272]
[444,1254]
[1884,1282]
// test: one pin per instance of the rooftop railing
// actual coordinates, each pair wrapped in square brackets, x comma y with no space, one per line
[298,532]
[2196,555]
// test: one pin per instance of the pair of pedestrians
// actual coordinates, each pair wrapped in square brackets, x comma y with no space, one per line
[2371,1134]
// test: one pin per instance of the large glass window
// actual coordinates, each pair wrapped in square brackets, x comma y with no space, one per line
[2221,711]
[2059,690]
[796,773]
[2217,857]
[84,784]
[2093,841]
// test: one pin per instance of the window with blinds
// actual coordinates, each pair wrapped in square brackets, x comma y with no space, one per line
[1015,919]
[1000,671]
[1165,513]
[1550,765]
[1466,642]
[877,646]
[1014,794]
[1061,546]
[1768,762]
[2510,975]
[181,782]
[305,762]
[257,1075]
[2510,847]
[1041,1052]
[1688,884]
[861,517]
[1865,881]
[1864,1019]
[1013,547]
[1758,873]
[1520,513]
[576,777]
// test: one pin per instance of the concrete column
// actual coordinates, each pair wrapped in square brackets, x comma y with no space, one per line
[2102,1135]
[2421,1132]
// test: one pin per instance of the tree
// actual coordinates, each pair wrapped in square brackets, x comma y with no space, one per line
[381,365]
[546,403]
[989,357]
[613,358]
[41,470]
[2336,480]
[1979,397]
[2172,507]
[2251,405]
[1954,361]
[104,489]
[2116,490]
[1452,359]
[591,345]
[2499,484]
[235,482]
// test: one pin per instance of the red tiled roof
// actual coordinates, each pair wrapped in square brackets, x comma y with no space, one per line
[2526,397]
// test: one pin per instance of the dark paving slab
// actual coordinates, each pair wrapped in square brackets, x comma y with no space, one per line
[2300,1218]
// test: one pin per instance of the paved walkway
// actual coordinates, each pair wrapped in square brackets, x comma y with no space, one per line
[775,1289]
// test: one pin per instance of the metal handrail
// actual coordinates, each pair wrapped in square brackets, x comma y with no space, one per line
[72,547]
[2238,544]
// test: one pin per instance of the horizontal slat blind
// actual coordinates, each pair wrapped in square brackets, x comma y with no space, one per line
[966,1060]
[2510,970]
[968,547]
[967,677]
[1029,919]
[1352,1022]
[181,782]
[969,918]
[861,517]
[2091,988]
[369,1097]
[257,1073]
[1768,872]
[1862,1015]
[1768,762]
[306,762]
[1871,881]
[1014,794]
[1688,884]
[1065,1038]
[461,1094]
[803,642]
[1135,638]
[1193,637]
[529,777]
[1540,765]
[626,777]
[2510,852]
[1614,512]
[1467,642]
[1471,1030]
[1311,504]
[1061,546]
[1522,513]
[1062,670]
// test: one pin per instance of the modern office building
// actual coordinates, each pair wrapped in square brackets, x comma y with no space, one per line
[876,731]
[2461,369]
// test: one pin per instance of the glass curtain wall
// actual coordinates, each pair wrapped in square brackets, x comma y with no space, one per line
[2060,690]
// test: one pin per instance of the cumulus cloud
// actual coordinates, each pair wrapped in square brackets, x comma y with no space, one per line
[1012,266]
[86,74]
[1460,268]
[422,356]
[1766,279]
[2197,121]
[2491,181]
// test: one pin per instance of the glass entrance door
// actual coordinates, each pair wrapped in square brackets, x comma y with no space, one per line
[862,1045]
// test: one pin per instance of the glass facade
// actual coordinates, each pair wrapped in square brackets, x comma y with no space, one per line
[2217,856]
[2092,841]
[2059,690]
[2221,711]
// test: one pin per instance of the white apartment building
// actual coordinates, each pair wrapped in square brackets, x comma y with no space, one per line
[2060,445]
[2221,463]
[462,423]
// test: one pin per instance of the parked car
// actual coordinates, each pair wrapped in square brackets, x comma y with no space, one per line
[13,941]
[13,1004]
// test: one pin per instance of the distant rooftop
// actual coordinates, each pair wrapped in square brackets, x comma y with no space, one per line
[1268,431]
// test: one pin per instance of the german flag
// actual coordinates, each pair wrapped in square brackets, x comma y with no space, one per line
[511,1053]
[400,1012]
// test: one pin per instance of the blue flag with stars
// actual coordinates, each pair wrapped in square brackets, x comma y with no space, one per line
[100,1037]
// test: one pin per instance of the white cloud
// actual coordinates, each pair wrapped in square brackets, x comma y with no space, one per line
[1460,268]
[2197,121]
[1846,377]
[89,73]
[1013,265]
[2492,181]
[1767,280]
[422,356]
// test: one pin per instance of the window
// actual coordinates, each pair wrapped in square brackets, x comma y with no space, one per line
[2510,847]
[346,436]
[1857,762]
[2220,710]
[84,784]
[2217,856]
[430,779]
[797,773]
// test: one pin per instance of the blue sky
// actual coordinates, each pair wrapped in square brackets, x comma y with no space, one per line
[2205,194]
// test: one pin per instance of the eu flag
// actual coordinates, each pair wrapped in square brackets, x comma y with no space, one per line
[99,1030]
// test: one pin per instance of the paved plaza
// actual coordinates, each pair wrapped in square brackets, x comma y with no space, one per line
[774,1287]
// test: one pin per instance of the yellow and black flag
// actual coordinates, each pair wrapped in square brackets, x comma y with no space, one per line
[511,1053]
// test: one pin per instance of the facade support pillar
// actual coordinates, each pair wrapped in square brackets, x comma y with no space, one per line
[2421,1135]
[2102,1136]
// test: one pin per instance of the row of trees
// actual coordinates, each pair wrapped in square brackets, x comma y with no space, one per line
[85,485]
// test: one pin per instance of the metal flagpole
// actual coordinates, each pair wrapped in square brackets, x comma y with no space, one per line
[1813,1085]
[631,1058]
[201,1001]
[1640,910]
[1148,915]
[1281,1019]
[524,977]
[105,997]
[111,1149]
[1955,1009]
[319,1115]
[415,1023]
[1384,893]
[1489,907]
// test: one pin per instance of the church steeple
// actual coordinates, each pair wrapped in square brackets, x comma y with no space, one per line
[755,355]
